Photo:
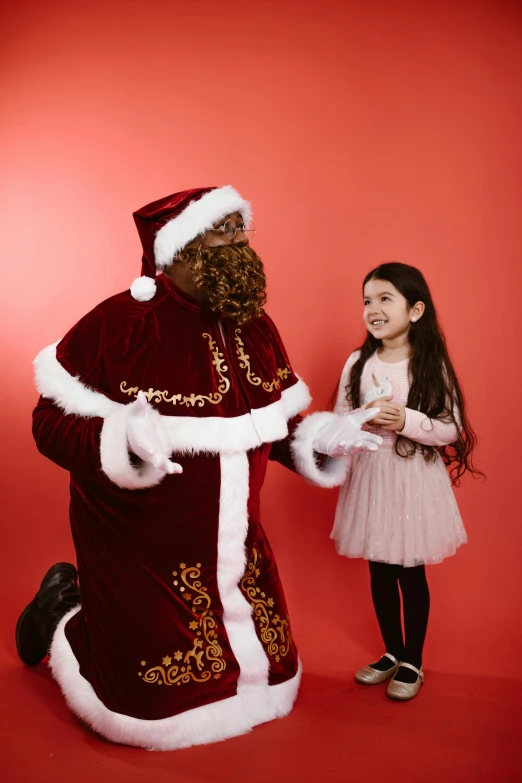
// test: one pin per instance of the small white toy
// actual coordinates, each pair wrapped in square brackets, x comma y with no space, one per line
[384,388]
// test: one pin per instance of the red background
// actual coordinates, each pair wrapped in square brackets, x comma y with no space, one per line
[361,132]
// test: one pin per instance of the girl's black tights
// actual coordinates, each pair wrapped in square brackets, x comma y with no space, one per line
[386,579]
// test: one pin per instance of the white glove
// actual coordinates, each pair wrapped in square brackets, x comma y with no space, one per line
[146,438]
[343,435]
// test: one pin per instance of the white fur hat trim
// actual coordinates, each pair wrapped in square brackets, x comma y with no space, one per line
[199,216]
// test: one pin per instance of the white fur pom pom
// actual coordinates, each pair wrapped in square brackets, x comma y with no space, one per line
[143,288]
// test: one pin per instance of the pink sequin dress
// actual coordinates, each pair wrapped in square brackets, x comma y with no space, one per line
[392,509]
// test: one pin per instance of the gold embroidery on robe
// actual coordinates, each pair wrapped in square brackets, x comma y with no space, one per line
[155,395]
[244,363]
[179,667]
[274,631]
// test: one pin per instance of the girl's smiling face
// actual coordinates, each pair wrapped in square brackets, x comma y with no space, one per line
[387,314]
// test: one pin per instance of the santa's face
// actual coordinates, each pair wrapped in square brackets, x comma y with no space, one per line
[387,315]
[216,237]
[224,270]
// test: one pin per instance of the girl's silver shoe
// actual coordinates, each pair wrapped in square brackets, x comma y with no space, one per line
[406,690]
[369,676]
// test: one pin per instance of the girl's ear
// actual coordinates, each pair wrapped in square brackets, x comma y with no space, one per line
[417,311]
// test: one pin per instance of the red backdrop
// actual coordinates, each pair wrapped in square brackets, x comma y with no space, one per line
[362,133]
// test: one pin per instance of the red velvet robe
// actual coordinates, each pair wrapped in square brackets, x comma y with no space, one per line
[183,634]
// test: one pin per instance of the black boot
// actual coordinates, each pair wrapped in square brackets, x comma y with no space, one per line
[58,593]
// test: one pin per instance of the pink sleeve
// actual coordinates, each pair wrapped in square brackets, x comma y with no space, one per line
[429,432]
[342,406]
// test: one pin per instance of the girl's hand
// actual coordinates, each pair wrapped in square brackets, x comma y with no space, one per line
[398,424]
[390,415]
[378,402]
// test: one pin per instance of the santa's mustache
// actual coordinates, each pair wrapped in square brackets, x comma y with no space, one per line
[233,279]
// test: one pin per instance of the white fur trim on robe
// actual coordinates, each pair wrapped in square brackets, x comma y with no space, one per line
[332,472]
[213,722]
[237,610]
[186,434]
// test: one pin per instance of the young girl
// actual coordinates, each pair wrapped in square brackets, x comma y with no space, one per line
[396,508]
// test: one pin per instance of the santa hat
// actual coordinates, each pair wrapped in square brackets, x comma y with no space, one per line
[167,226]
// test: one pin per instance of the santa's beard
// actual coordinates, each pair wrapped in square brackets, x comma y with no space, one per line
[232,278]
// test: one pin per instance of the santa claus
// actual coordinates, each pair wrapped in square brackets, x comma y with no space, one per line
[165,404]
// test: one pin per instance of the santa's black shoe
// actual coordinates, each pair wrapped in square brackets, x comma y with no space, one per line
[58,593]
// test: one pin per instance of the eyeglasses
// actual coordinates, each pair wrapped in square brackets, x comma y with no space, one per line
[229,229]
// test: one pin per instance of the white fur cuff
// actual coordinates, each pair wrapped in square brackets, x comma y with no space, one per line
[334,469]
[115,458]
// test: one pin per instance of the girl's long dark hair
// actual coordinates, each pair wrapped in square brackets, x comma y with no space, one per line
[434,387]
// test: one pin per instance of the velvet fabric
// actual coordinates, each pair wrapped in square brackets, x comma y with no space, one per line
[187,361]
[132,611]
[182,605]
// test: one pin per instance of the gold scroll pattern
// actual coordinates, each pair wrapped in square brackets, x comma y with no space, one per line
[274,631]
[155,395]
[181,667]
[244,363]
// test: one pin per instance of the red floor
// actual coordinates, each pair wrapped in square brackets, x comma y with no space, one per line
[458,729]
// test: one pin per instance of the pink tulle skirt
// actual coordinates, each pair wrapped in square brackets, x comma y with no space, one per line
[397,510]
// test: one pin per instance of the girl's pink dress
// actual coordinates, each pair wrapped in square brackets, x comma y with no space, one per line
[392,509]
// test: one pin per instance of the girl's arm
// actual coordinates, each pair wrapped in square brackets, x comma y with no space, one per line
[432,432]
[428,432]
